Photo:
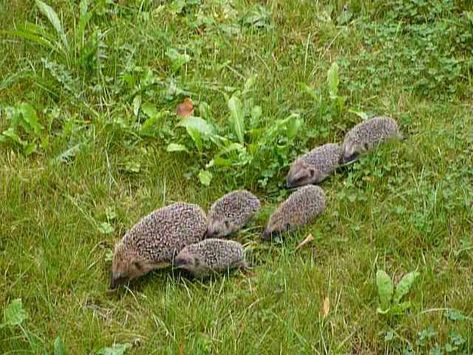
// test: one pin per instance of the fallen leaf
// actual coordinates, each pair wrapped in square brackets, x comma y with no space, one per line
[307,239]
[326,307]
[186,108]
[181,349]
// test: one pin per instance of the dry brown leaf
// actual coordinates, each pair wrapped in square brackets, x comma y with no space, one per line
[326,307]
[307,239]
[181,349]
[186,108]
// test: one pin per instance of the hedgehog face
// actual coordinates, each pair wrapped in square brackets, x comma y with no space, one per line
[301,174]
[127,265]
[351,151]
[190,262]
[276,226]
[220,227]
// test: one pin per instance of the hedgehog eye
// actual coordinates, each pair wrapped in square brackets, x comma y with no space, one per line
[227,224]
[366,146]
[137,265]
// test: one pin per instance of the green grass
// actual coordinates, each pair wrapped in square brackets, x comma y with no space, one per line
[407,206]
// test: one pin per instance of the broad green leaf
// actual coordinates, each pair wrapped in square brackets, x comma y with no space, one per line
[177,59]
[231,148]
[110,213]
[249,84]
[385,289]
[30,36]
[400,308]
[219,161]
[53,18]
[455,315]
[404,285]
[196,137]
[149,109]
[205,177]
[68,154]
[10,133]
[238,118]
[293,125]
[256,113]
[105,228]
[196,128]
[29,148]
[136,104]
[59,348]
[30,118]
[84,18]
[361,114]
[174,147]
[116,349]
[197,123]
[14,314]
[148,128]
[333,80]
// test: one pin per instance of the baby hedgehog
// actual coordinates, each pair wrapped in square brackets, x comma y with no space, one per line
[231,212]
[155,240]
[365,135]
[211,256]
[315,166]
[300,208]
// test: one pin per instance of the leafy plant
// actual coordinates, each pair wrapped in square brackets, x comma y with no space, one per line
[115,349]
[24,129]
[389,296]
[14,314]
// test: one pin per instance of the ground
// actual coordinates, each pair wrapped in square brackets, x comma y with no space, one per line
[91,143]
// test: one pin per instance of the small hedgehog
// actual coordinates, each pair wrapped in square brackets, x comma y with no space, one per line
[365,135]
[231,212]
[315,166]
[154,241]
[299,209]
[211,256]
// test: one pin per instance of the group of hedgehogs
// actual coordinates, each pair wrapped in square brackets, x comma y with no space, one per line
[182,236]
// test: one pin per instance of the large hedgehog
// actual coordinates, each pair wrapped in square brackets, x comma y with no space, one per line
[300,208]
[211,256]
[315,166]
[231,212]
[154,241]
[365,135]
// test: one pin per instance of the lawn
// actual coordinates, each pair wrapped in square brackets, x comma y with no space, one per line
[91,142]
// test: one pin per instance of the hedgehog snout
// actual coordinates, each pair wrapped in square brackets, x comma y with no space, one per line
[350,158]
[116,280]
[267,234]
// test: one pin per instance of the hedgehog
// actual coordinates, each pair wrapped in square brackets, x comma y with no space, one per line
[231,212]
[301,207]
[211,256]
[315,166]
[365,135]
[155,240]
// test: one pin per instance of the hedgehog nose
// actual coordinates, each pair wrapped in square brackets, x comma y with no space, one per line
[266,235]
[115,281]
[349,159]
